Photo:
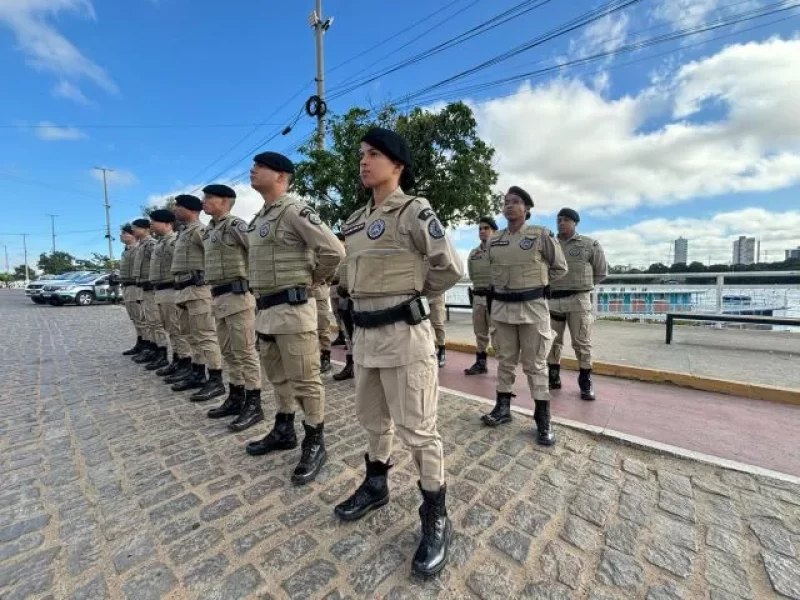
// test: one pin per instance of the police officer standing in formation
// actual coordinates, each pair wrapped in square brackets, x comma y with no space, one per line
[225,242]
[321,295]
[163,225]
[145,294]
[291,250]
[398,254]
[524,260]
[571,300]
[193,298]
[129,289]
[480,275]
[345,316]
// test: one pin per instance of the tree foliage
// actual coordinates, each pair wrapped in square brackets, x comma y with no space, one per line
[56,262]
[452,165]
[662,273]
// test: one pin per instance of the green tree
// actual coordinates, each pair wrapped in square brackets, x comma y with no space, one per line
[696,267]
[169,203]
[658,268]
[678,268]
[56,262]
[452,165]
[19,272]
[98,262]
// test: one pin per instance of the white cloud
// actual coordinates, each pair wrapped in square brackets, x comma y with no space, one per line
[45,47]
[568,144]
[53,133]
[118,177]
[70,91]
[691,13]
[604,35]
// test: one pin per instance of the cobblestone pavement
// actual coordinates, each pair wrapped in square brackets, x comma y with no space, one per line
[111,487]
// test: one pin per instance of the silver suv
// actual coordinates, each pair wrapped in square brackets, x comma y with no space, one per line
[34,289]
[82,290]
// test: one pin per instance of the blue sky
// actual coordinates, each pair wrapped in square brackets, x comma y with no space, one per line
[160,90]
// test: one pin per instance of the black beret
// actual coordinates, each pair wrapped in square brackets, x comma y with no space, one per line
[570,214]
[275,161]
[127,228]
[217,189]
[395,147]
[142,223]
[518,191]
[489,221]
[190,202]
[162,215]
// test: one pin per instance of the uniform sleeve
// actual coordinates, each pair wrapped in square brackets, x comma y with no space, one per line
[238,230]
[554,256]
[327,248]
[599,264]
[197,237]
[445,267]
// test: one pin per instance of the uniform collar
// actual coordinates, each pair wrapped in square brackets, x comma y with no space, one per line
[576,237]
[395,199]
[214,222]
[278,202]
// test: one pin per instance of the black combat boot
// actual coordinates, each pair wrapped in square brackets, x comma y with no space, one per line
[501,413]
[347,372]
[544,432]
[371,494]
[170,368]
[585,383]
[282,437]
[136,349]
[554,377]
[339,341]
[324,361]
[212,387]
[183,370]
[159,361]
[250,413]
[193,381]
[313,456]
[232,405]
[440,356]
[434,547]
[479,368]
[147,354]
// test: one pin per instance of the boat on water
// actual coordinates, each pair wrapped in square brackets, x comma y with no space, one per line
[644,300]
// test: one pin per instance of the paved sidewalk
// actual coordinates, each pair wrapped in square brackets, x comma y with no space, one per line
[112,488]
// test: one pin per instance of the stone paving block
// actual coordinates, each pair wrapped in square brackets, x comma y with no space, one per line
[134,552]
[194,545]
[287,553]
[241,583]
[151,583]
[543,590]
[368,575]
[96,589]
[220,508]
[206,573]
[773,536]
[727,572]
[511,542]
[784,574]
[529,519]
[560,565]
[350,546]
[310,579]
[250,540]
[489,581]
[635,467]
[620,570]
[666,591]
[581,534]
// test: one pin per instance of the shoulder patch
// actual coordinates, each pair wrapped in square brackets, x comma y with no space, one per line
[425,214]
[306,210]
[435,229]
[239,225]
[314,219]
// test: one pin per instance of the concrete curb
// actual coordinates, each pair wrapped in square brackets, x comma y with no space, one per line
[696,382]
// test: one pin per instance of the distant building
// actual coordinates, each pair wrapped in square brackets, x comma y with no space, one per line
[681,251]
[744,251]
[795,253]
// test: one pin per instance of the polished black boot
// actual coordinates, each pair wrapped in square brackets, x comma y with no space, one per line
[339,341]
[544,431]
[232,405]
[554,377]
[250,413]
[347,372]
[193,381]
[170,368]
[183,371]
[146,355]
[159,361]
[313,456]
[479,368]
[371,494]
[136,349]
[324,361]
[212,387]
[585,383]
[282,437]
[501,413]
[437,531]
[440,356]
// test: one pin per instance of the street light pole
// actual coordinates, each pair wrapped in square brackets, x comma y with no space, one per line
[108,213]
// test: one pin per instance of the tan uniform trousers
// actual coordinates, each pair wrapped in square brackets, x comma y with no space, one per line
[237,341]
[203,334]
[437,318]
[152,315]
[404,398]
[530,342]
[291,364]
[321,295]
[574,313]
[134,310]
[171,319]
[482,323]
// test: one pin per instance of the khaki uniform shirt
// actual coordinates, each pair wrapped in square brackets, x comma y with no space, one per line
[230,304]
[192,233]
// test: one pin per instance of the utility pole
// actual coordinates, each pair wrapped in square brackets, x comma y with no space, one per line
[25,250]
[8,269]
[108,213]
[53,230]
[320,27]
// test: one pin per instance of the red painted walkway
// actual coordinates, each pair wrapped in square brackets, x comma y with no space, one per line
[755,432]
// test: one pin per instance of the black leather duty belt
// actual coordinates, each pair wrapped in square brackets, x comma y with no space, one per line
[481,292]
[413,312]
[519,296]
[128,283]
[163,286]
[557,294]
[146,287]
[264,337]
[293,296]
[235,287]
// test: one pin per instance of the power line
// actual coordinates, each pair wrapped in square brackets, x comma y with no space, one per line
[138,126]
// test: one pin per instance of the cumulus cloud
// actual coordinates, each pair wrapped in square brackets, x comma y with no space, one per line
[45,130]
[568,144]
[45,48]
